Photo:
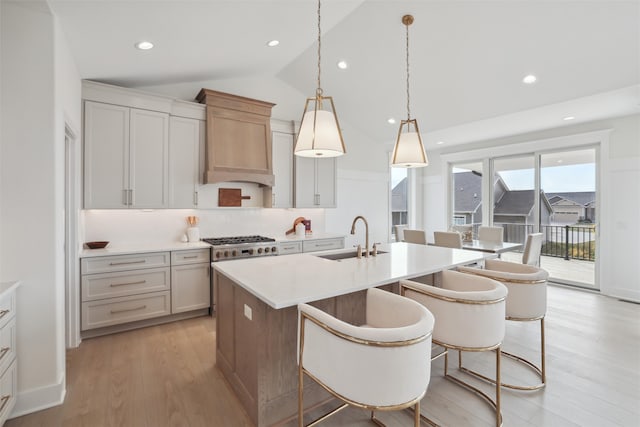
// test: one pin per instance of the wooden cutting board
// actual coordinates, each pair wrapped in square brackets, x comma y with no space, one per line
[231,197]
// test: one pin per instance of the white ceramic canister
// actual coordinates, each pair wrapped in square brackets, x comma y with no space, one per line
[193,234]
[300,228]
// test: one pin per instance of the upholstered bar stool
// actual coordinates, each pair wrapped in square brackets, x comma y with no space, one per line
[526,302]
[532,249]
[380,366]
[469,314]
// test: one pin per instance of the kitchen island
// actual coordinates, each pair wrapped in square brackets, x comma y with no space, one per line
[256,326]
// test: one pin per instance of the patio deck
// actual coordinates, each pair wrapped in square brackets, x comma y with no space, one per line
[564,271]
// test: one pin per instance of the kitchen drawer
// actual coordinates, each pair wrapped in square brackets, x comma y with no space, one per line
[7,344]
[119,284]
[285,248]
[191,256]
[107,264]
[100,313]
[322,245]
[7,308]
[8,391]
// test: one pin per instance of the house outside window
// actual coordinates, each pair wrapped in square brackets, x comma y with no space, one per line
[399,198]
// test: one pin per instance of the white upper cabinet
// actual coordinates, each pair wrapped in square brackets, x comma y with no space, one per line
[106,156]
[149,159]
[282,139]
[315,182]
[186,141]
[126,157]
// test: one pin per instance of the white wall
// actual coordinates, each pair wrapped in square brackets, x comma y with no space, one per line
[32,171]
[619,219]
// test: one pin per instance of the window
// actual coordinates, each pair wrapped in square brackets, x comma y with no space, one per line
[467,194]
[459,220]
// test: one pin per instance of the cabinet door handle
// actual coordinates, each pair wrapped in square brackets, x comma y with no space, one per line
[4,399]
[142,307]
[130,197]
[195,198]
[114,285]
[4,313]
[128,262]
[316,200]
[125,197]
[190,257]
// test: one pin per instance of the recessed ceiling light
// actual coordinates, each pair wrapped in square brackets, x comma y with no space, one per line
[566,119]
[391,121]
[273,43]
[560,161]
[440,142]
[530,79]
[144,45]
[343,65]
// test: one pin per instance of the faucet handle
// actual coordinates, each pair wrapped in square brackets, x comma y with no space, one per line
[374,250]
[359,251]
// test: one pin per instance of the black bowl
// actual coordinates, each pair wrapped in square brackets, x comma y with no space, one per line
[96,245]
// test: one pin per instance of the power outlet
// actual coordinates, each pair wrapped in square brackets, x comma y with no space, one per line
[248,313]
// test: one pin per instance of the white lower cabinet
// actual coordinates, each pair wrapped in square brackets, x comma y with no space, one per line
[322,244]
[286,248]
[8,359]
[190,280]
[120,289]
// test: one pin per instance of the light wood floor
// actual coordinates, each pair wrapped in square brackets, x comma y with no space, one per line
[166,376]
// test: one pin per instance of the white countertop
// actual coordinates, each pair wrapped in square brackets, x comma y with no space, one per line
[135,248]
[284,281]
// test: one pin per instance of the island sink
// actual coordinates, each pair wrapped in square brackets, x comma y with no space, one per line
[346,255]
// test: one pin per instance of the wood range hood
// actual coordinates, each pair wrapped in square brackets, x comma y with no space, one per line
[238,146]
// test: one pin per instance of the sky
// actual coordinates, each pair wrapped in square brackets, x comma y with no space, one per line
[557,179]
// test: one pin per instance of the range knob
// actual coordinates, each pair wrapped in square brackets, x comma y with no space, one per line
[226,254]
[234,252]
[259,250]
[251,251]
[273,249]
[266,250]
[218,254]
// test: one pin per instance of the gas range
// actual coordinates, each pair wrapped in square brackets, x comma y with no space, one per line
[227,248]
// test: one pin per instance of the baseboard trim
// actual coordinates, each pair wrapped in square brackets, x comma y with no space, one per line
[37,399]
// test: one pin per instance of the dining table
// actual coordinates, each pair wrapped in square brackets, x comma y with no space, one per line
[491,247]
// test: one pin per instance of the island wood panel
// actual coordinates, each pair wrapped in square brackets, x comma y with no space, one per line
[259,356]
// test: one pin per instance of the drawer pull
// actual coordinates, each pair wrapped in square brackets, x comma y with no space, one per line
[4,399]
[142,307]
[128,262]
[113,285]
[322,245]
[287,248]
[4,313]
[4,351]
[190,257]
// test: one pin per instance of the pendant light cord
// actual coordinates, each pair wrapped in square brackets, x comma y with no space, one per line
[319,89]
[408,96]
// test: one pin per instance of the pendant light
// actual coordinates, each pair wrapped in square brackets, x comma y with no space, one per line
[409,150]
[319,134]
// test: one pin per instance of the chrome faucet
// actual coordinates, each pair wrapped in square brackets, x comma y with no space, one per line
[366,225]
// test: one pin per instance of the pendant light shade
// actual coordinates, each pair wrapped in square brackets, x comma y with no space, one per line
[409,151]
[319,134]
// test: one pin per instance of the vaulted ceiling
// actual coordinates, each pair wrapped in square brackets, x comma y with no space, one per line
[467,58]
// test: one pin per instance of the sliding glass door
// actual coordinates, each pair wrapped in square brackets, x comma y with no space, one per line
[568,215]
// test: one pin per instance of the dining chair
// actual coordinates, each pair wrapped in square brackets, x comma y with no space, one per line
[415,236]
[383,365]
[532,249]
[491,234]
[526,302]
[469,314]
[448,239]
[399,231]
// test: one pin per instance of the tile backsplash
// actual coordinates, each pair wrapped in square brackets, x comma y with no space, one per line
[129,226]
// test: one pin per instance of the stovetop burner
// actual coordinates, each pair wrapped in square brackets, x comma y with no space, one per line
[236,240]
